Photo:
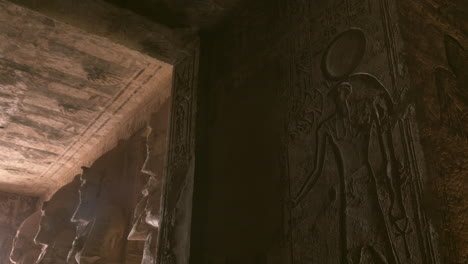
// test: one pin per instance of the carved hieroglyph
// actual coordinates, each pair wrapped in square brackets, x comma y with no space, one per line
[176,211]
[352,155]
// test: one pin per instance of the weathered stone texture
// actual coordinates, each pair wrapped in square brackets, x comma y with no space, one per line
[13,211]
[178,179]
[56,232]
[435,41]
[24,249]
[147,212]
[309,149]
[107,198]
[66,97]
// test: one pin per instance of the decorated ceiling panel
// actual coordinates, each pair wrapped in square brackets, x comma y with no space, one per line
[65,97]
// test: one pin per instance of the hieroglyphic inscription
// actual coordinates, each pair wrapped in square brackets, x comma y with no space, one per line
[178,182]
[352,158]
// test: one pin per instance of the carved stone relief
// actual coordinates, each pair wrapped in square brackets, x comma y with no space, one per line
[105,240]
[101,229]
[102,215]
[146,219]
[24,250]
[451,86]
[177,186]
[14,210]
[56,231]
[445,136]
[352,156]
[146,216]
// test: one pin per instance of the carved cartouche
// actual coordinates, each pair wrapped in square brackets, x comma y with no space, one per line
[24,250]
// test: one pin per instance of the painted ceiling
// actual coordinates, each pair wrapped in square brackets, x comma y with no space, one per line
[66,97]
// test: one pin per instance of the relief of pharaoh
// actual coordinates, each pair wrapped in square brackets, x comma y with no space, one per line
[100,220]
[56,231]
[24,250]
[357,128]
[146,219]
[147,212]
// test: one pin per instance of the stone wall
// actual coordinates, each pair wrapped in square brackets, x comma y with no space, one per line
[435,38]
[13,210]
[308,146]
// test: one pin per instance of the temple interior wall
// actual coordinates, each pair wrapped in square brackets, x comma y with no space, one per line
[429,30]
[268,92]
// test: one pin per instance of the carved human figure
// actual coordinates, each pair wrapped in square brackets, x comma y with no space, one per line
[371,208]
[101,221]
[105,240]
[82,231]
[146,219]
[85,212]
[56,231]
[58,252]
[100,229]
[147,212]
[348,130]
[24,250]
[88,193]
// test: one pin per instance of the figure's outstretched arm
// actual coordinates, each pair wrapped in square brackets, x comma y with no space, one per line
[312,176]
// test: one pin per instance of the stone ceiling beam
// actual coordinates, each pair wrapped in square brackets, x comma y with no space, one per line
[118,25]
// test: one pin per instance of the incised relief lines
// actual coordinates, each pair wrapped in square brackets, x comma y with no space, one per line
[451,86]
[102,216]
[352,157]
[15,208]
[178,179]
[146,219]
[445,135]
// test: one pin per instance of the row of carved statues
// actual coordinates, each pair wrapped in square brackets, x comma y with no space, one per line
[93,219]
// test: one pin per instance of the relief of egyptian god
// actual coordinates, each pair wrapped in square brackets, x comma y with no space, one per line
[378,190]
[56,231]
